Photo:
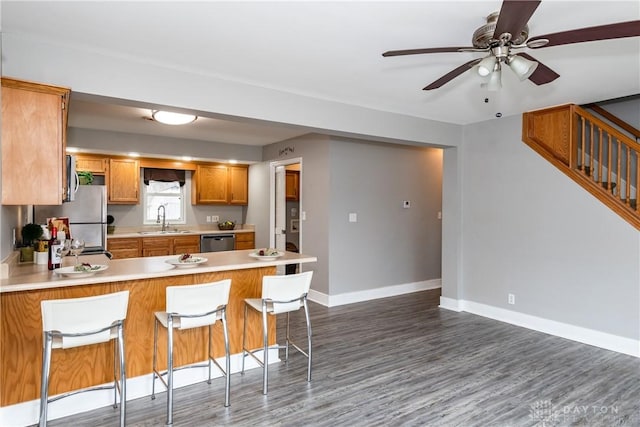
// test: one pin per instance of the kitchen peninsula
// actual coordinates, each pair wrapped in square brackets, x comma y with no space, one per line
[146,280]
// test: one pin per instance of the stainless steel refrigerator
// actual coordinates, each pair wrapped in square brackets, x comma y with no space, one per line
[87,216]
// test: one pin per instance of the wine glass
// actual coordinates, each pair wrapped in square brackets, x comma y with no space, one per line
[76,246]
[65,248]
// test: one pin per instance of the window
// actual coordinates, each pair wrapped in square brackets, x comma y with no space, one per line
[168,194]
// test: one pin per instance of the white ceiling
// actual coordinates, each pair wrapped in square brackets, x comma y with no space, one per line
[332,51]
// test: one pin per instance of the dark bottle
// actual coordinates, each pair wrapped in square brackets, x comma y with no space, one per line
[55,249]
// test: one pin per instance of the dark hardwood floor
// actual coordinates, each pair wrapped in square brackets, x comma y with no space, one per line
[402,361]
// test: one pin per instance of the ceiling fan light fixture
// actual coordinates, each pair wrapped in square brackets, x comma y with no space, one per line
[522,67]
[170,118]
[486,66]
[495,80]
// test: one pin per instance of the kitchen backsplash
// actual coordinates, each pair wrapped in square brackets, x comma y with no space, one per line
[132,215]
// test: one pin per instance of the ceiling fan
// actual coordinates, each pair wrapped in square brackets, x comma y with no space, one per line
[505,33]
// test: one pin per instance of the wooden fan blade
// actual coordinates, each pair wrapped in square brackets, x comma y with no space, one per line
[589,34]
[427,50]
[543,74]
[514,15]
[452,74]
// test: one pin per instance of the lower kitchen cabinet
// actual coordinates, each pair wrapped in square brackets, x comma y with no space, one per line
[132,247]
[156,246]
[186,245]
[124,247]
[245,240]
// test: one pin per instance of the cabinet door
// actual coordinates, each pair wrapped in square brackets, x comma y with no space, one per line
[96,165]
[124,181]
[292,191]
[238,185]
[210,184]
[126,247]
[156,246]
[34,120]
[186,245]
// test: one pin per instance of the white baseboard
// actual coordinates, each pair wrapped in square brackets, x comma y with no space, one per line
[371,294]
[27,413]
[576,333]
[450,304]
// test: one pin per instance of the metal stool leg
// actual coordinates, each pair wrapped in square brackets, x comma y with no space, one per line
[44,385]
[306,315]
[265,349]
[244,338]
[227,385]
[287,338]
[123,378]
[170,370]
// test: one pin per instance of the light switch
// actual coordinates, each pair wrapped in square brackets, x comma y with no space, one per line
[406,204]
[303,215]
[353,217]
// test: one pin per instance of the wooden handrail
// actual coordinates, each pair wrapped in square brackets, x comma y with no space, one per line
[606,127]
[614,119]
[582,146]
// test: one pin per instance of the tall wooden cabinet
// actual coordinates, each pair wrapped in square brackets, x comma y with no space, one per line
[34,123]
[220,184]
[124,181]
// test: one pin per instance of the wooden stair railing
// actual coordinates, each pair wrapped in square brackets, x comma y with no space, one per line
[615,120]
[603,160]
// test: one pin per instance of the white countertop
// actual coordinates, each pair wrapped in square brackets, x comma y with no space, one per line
[33,277]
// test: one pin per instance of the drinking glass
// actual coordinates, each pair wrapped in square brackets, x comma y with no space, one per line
[76,247]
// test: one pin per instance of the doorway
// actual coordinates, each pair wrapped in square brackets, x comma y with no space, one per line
[285,208]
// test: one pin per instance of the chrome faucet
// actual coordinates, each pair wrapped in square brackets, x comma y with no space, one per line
[164,214]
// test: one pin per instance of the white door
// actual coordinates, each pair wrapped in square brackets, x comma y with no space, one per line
[280,228]
[278,206]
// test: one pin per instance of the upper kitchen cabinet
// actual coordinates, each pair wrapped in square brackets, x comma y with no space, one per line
[124,181]
[97,165]
[292,185]
[220,184]
[34,123]
[238,185]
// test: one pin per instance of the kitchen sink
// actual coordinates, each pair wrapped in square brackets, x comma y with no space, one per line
[146,233]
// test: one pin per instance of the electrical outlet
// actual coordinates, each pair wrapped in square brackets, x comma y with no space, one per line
[215,218]
[512,299]
[208,218]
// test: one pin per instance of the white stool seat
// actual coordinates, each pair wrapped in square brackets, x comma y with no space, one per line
[188,307]
[75,322]
[280,294]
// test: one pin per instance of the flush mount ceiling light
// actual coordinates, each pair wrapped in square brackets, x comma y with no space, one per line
[169,118]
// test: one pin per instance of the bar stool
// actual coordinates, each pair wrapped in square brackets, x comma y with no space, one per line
[187,307]
[280,294]
[68,323]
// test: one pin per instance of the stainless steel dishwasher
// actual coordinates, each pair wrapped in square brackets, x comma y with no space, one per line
[217,242]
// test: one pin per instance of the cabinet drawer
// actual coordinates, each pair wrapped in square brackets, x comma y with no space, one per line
[126,247]
[186,245]
[245,237]
[245,241]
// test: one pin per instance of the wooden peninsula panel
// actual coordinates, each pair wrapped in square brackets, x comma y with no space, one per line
[72,369]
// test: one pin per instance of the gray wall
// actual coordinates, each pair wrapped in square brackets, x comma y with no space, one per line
[388,245]
[314,199]
[529,230]
[120,142]
[258,209]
